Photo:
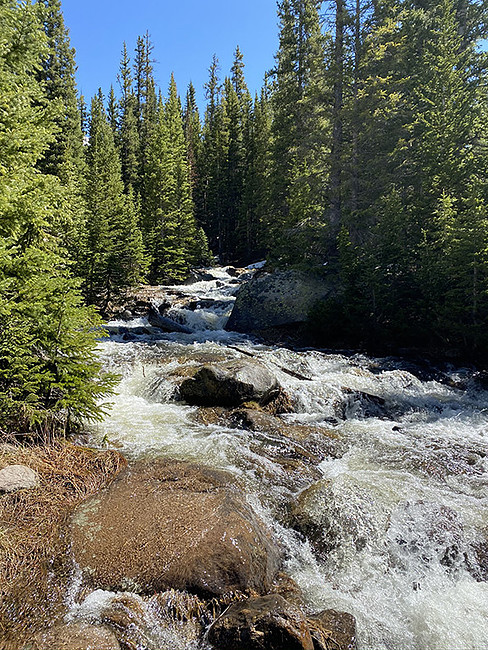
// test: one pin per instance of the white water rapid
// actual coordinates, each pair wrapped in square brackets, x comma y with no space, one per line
[404,508]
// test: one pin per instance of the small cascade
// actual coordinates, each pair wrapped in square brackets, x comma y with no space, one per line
[394,529]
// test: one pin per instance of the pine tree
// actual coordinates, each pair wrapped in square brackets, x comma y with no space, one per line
[192,127]
[255,208]
[113,113]
[128,132]
[146,100]
[173,240]
[49,375]
[299,136]
[58,78]
[114,259]
[211,164]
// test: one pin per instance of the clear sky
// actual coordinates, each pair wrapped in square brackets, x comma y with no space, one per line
[185,33]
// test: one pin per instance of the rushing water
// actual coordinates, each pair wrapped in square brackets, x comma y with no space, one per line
[406,503]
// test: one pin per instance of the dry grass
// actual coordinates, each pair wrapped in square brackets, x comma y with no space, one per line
[34,563]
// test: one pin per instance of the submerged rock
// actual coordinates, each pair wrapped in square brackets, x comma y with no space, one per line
[230,384]
[166,324]
[17,477]
[269,622]
[277,299]
[317,439]
[75,636]
[359,404]
[171,524]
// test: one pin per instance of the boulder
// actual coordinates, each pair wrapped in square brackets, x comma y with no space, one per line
[317,439]
[75,636]
[165,324]
[332,629]
[309,514]
[359,404]
[17,477]
[268,622]
[277,299]
[230,384]
[173,525]
[338,516]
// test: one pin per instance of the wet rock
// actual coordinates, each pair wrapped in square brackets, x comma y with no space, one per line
[276,299]
[318,440]
[210,415]
[17,477]
[165,324]
[126,614]
[357,403]
[286,587]
[309,519]
[332,629]
[343,518]
[75,636]
[268,622]
[197,275]
[171,524]
[230,384]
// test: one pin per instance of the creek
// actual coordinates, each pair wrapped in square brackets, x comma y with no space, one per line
[404,507]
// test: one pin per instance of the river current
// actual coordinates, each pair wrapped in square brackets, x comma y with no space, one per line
[406,501]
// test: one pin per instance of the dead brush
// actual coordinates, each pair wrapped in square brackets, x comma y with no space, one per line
[34,563]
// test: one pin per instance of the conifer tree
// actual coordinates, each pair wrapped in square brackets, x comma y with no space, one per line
[212,162]
[48,369]
[146,100]
[58,78]
[255,208]
[173,241]
[128,132]
[192,127]
[300,135]
[114,258]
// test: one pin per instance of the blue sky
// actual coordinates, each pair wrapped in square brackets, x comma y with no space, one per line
[185,33]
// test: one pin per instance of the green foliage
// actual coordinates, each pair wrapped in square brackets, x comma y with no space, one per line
[173,241]
[114,257]
[299,135]
[49,375]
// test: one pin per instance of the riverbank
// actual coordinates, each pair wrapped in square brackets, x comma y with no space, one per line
[34,572]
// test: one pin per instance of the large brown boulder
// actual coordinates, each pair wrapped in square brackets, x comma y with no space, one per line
[75,636]
[172,524]
[268,622]
[230,384]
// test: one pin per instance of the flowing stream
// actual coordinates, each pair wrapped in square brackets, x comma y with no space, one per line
[405,504]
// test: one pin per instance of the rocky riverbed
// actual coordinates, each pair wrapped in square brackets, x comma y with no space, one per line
[277,497]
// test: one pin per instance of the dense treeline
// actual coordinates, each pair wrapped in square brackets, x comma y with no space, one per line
[363,156]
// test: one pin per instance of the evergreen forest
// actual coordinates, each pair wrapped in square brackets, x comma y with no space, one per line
[364,157]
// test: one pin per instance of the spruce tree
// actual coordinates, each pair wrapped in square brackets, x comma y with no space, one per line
[174,243]
[213,155]
[114,258]
[128,132]
[192,128]
[49,375]
[299,136]
[58,78]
